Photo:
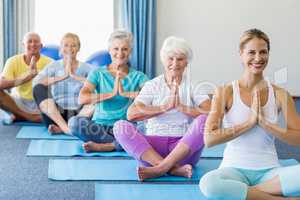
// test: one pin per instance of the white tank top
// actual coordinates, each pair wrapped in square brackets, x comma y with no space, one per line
[254,149]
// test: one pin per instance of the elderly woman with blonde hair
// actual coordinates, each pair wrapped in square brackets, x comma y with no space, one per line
[56,88]
[172,109]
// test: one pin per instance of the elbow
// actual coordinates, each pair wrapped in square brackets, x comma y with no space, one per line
[83,100]
[130,117]
[4,86]
[208,139]
[131,113]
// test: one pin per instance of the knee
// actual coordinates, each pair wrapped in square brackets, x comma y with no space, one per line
[122,129]
[210,186]
[75,124]
[201,119]
[37,88]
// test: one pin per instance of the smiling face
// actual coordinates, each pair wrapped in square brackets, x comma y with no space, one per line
[255,55]
[175,64]
[32,44]
[69,47]
[119,51]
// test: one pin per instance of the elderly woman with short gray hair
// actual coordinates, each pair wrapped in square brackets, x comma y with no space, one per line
[172,109]
[112,89]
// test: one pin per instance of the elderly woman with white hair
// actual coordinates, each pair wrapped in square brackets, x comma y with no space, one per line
[112,89]
[173,110]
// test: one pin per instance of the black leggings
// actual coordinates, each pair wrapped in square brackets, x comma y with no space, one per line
[41,93]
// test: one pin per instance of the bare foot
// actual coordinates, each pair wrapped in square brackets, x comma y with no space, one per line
[149,172]
[97,147]
[185,171]
[13,117]
[54,129]
[156,171]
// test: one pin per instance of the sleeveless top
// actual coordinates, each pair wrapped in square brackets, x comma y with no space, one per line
[254,149]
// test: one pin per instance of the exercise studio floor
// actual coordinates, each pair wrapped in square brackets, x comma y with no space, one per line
[24,177]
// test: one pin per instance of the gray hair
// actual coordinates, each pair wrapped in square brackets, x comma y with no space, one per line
[174,45]
[121,35]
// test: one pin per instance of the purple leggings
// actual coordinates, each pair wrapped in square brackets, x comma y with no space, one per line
[136,143]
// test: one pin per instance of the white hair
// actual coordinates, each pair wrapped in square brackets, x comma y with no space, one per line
[174,45]
[121,35]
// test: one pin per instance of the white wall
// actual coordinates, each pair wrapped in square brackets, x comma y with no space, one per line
[213,29]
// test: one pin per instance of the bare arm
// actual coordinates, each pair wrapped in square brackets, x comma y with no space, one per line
[214,133]
[51,80]
[203,108]
[130,95]
[7,84]
[78,78]
[139,111]
[87,95]
[290,134]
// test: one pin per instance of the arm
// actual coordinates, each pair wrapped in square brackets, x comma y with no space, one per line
[47,75]
[203,108]
[130,95]
[214,133]
[290,134]
[140,111]
[78,78]
[87,95]
[73,74]
[51,80]
[10,83]
[7,84]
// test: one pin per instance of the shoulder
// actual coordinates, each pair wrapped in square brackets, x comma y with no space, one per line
[14,59]
[223,95]
[55,64]
[153,85]
[157,81]
[224,91]
[280,93]
[136,73]
[98,72]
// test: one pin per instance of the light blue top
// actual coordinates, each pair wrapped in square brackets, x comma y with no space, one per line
[65,92]
[111,110]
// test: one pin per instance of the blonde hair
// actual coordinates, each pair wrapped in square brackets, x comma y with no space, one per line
[72,36]
[173,45]
[251,34]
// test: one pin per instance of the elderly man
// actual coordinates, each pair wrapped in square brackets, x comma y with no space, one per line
[17,76]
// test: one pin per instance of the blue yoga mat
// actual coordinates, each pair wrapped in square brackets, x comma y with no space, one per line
[24,123]
[40,132]
[148,192]
[213,152]
[65,148]
[121,170]
[74,148]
